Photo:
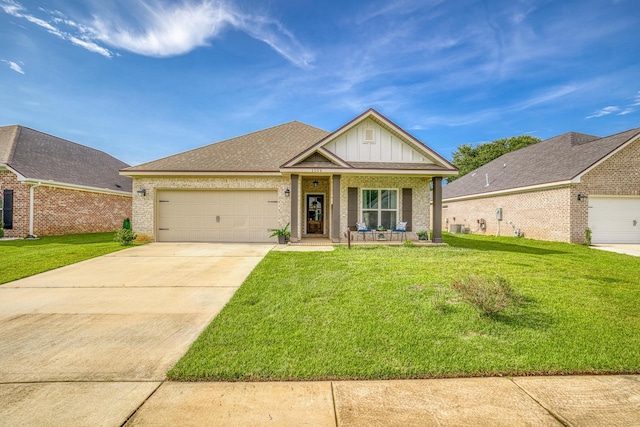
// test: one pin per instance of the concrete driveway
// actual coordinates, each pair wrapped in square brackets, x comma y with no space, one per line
[96,338]
[627,249]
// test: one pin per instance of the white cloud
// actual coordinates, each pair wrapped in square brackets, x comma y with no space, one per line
[162,29]
[636,100]
[626,111]
[165,30]
[278,37]
[604,111]
[14,66]
[91,46]
[15,9]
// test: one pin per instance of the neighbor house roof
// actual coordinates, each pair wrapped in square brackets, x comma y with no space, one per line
[261,151]
[559,159]
[38,157]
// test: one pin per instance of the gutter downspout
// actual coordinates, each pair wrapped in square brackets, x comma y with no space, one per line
[31,210]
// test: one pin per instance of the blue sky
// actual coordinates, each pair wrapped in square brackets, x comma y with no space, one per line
[143,79]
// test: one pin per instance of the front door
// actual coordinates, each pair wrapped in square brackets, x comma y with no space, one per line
[315,213]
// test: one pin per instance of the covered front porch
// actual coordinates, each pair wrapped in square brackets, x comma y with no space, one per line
[326,207]
[325,241]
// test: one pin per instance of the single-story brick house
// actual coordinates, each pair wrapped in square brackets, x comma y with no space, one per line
[319,182]
[554,190]
[51,186]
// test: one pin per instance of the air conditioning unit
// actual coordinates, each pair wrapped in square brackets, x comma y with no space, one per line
[456,228]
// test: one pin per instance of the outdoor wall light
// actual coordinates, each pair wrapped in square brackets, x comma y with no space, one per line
[287,192]
[582,197]
[142,192]
[315,182]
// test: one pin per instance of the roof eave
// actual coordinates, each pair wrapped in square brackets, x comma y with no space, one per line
[369,171]
[309,152]
[55,184]
[525,189]
[12,170]
[138,173]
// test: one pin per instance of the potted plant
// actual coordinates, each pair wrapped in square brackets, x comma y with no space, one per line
[422,235]
[282,234]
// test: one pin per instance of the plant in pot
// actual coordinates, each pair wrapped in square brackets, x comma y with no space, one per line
[422,235]
[282,234]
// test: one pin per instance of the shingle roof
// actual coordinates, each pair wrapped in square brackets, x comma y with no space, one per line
[42,157]
[261,151]
[557,159]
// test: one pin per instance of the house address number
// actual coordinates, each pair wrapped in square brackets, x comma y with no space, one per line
[316,170]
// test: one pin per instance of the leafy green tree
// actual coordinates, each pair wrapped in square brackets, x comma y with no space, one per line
[468,158]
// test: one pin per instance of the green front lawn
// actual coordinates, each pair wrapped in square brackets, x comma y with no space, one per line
[388,312]
[22,258]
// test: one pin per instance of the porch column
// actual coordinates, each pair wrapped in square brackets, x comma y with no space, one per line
[295,203]
[437,209]
[335,210]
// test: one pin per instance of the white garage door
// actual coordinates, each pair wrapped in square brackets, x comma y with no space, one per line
[614,219]
[216,215]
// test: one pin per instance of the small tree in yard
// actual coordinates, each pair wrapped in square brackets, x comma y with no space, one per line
[125,236]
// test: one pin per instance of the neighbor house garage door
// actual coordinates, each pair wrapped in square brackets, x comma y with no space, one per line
[614,219]
[216,216]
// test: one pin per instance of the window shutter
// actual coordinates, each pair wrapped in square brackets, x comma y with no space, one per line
[352,207]
[407,206]
[7,209]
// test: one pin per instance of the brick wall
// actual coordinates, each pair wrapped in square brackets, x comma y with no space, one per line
[64,211]
[542,214]
[618,175]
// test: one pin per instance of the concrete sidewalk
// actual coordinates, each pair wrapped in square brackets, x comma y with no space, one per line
[521,401]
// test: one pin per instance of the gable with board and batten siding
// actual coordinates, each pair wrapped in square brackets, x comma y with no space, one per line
[370,142]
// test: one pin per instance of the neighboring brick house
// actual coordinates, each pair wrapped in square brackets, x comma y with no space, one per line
[51,186]
[554,190]
[319,182]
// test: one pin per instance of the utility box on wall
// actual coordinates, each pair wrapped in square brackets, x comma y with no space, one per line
[456,228]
